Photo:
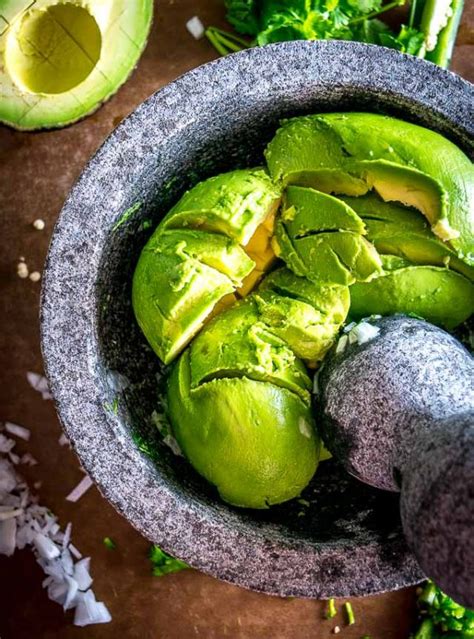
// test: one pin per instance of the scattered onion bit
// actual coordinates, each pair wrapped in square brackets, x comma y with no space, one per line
[195,28]
[23,522]
[81,488]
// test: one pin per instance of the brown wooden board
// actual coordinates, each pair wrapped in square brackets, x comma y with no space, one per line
[36,172]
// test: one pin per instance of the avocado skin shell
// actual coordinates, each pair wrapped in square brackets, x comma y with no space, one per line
[253,440]
[355,145]
[403,231]
[438,295]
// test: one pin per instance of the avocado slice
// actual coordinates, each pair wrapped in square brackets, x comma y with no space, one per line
[352,153]
[398,230]
[343,257]
[238,343]
[217,251]
[194,263]
[255,441]
[60,61]
[306,211]
[305,315]
[439,295]
[179,278]
[233,203]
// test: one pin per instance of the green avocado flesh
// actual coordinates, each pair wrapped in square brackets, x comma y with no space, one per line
[237,342]
[397,230]
[306,212]
[173,293]
[255,441]
[234,204]
[439,295]
[305,315]
[60,61]
[184,273]
[352,153]
[341,258]
[320,237]
[363,196]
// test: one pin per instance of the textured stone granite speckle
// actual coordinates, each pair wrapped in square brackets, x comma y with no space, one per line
[399,412]
[217,117]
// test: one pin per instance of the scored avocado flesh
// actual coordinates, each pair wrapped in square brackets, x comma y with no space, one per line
[189,270]
[59,61]
[351,153]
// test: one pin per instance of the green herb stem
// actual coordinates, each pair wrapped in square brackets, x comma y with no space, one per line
[109,543]
[349,613]
[331,609]
[411,19]
[225,42]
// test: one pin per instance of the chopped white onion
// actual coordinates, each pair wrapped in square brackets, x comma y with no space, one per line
[363,333]
[38,382]
[23,522]
[15,459]
[171,442]
[341,345]
[75,552]
[63,440]
[195,27]
[7,537]
[81,573]
[28,458]
[81,488]
[89,611]
[46,548]
[17,430]
[9,514]
[6,444]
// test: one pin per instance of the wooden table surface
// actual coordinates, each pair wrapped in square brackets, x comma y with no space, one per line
[36,172]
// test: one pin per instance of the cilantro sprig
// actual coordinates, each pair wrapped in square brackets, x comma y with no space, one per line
[430,32]
[441,617]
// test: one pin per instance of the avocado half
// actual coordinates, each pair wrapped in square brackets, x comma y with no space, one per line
[201,255]
[239,396]
[353,153]
[60,60]
[438,295]
[254,440]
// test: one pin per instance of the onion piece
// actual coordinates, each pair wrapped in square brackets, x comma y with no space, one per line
[17,430]
[195,28]
[7,537]
[81,488]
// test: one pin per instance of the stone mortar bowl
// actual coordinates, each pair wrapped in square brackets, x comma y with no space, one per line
[105,379]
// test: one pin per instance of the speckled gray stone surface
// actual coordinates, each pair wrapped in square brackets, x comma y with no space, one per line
[399,412]
[217,117]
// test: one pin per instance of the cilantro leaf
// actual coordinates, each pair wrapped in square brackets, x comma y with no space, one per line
[243,16]
[164,564]
[409,40]
[442,617]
